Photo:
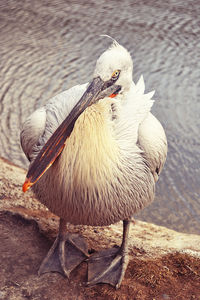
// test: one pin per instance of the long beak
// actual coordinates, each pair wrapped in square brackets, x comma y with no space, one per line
[56,143]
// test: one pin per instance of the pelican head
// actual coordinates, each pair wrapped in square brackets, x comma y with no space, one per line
[112,75]
[115,63]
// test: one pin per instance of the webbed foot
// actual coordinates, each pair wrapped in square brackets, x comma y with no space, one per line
[67,252]
[107,266]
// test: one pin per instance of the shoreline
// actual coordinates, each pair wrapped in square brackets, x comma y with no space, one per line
[163,263]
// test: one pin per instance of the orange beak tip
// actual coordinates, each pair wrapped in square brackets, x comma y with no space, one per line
[113,95]
[27,184]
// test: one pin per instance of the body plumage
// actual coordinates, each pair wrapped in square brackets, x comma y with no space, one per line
[112,158]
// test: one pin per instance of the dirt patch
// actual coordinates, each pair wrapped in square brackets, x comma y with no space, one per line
[23,246]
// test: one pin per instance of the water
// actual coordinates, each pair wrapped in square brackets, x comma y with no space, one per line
[49,46]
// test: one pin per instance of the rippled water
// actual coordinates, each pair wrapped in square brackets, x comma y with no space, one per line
[49,46]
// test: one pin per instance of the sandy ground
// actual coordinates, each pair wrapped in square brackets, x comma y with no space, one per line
[164,264]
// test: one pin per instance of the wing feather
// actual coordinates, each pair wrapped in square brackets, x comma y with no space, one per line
[42,123]
[152,140]
[32,129]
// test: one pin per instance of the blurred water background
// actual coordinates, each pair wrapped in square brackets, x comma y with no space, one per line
[49,46]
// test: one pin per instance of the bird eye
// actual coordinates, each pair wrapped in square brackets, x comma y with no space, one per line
[115,74]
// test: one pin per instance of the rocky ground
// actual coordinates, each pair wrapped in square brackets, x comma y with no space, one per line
[164,264]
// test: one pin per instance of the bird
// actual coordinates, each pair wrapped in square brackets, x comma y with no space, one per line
[96,152]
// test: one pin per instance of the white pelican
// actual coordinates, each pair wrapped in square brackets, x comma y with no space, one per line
[106,151]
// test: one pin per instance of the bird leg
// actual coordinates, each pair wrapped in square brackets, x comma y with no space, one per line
[66,253]
[109,266]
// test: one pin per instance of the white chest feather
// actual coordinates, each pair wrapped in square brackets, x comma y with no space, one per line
[96,181]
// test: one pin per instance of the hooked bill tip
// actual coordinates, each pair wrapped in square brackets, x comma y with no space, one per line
[27,184]
[113,95]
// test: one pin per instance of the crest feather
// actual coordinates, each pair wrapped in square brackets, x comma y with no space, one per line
[114,44]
